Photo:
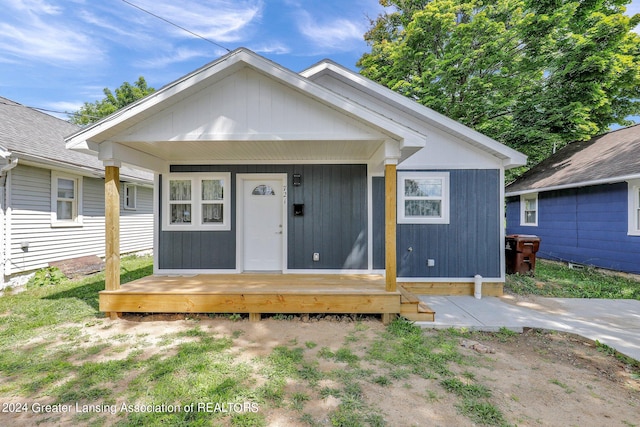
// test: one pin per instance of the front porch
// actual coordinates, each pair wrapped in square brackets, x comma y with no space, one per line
[264,293]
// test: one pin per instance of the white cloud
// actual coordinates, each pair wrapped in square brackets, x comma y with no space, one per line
[335,34]
[275,48]
[38,31]
[179,55]
[220,20]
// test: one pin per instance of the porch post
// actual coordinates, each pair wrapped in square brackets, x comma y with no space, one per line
[390,190]
[112,229]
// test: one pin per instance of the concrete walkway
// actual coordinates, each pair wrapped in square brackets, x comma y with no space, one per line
[615,323]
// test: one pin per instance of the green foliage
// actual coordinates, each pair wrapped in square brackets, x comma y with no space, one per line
[558,280]
[534,75]
[126,94]
[46,276]
[482,412]
[455,386]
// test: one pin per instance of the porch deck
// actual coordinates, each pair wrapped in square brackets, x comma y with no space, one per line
[262,293]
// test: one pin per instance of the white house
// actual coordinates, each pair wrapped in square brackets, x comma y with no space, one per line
[52,199]
[258,168]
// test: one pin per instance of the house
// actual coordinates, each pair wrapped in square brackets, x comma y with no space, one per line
[584,202]
[52,199]
[260,169]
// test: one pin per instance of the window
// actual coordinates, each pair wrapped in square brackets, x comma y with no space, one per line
[634,207]
[423,198]
[529,209]
[66,200]
[197,201]
[130,196]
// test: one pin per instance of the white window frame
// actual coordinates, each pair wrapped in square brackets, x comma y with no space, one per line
[196,179]
[523,212]
[445,199]
[633,207]
[76,221]
[129,197]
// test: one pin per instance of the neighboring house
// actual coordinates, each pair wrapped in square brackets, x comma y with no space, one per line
[584,202]
[52,199]
[262,169]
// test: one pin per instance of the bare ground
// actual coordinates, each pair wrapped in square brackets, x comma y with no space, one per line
[537,378]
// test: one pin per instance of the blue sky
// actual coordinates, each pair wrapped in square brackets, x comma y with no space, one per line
[56,54]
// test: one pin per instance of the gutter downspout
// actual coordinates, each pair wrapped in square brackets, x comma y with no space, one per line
[5,215]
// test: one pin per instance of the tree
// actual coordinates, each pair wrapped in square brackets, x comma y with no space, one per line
[124,95]
[534,74]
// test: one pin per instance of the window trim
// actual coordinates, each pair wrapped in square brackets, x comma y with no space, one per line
[125,187]
[77,220]
[633,207]
[197,203]
[523,199]
[444,217]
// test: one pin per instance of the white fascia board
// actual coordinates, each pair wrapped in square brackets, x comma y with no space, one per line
[510,157]
[110,151]
[242,56]
[612,180]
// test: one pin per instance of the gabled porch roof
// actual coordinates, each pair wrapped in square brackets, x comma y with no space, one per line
[245,108]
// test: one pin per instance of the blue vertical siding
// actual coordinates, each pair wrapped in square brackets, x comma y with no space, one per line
[334,222]
[378,223]
[470,244]
[583,225]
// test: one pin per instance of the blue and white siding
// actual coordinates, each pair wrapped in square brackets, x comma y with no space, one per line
[334,222]
[470,244]
[344,222]
[587,225]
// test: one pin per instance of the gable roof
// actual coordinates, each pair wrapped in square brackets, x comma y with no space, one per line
[135,132]
[33,136]
[612,157]
[419,116]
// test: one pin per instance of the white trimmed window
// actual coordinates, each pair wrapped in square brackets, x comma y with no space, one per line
[66,200]
[634,208]
[197,201]
[423,198]
[130,196]
[529,209]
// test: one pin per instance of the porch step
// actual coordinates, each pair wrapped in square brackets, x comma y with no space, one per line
[411,308]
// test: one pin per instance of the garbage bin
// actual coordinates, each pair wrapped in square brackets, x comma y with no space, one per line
[520,251]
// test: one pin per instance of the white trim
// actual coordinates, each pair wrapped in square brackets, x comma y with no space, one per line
[502,228]
[523,200]
[156,222]
[633,207]
[77,202]
[191,272]
[239,183]
[369,219]
[446,279]
[196,202]
[445,198]
[133,187]
[510,158]
[332,271]
[611,180]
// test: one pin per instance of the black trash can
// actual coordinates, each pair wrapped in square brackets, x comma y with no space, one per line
[520,251]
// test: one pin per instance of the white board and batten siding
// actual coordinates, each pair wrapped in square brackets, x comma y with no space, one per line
[29,222]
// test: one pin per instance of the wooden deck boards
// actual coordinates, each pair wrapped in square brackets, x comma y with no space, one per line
[256,294]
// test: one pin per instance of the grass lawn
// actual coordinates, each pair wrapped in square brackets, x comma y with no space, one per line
[553,279]
[57,349]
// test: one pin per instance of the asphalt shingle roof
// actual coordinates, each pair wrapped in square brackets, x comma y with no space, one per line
[612,157]
[25,131]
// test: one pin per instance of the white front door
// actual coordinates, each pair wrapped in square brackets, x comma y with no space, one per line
[263,228]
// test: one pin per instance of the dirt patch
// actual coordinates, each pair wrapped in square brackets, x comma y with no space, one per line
[536,378]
